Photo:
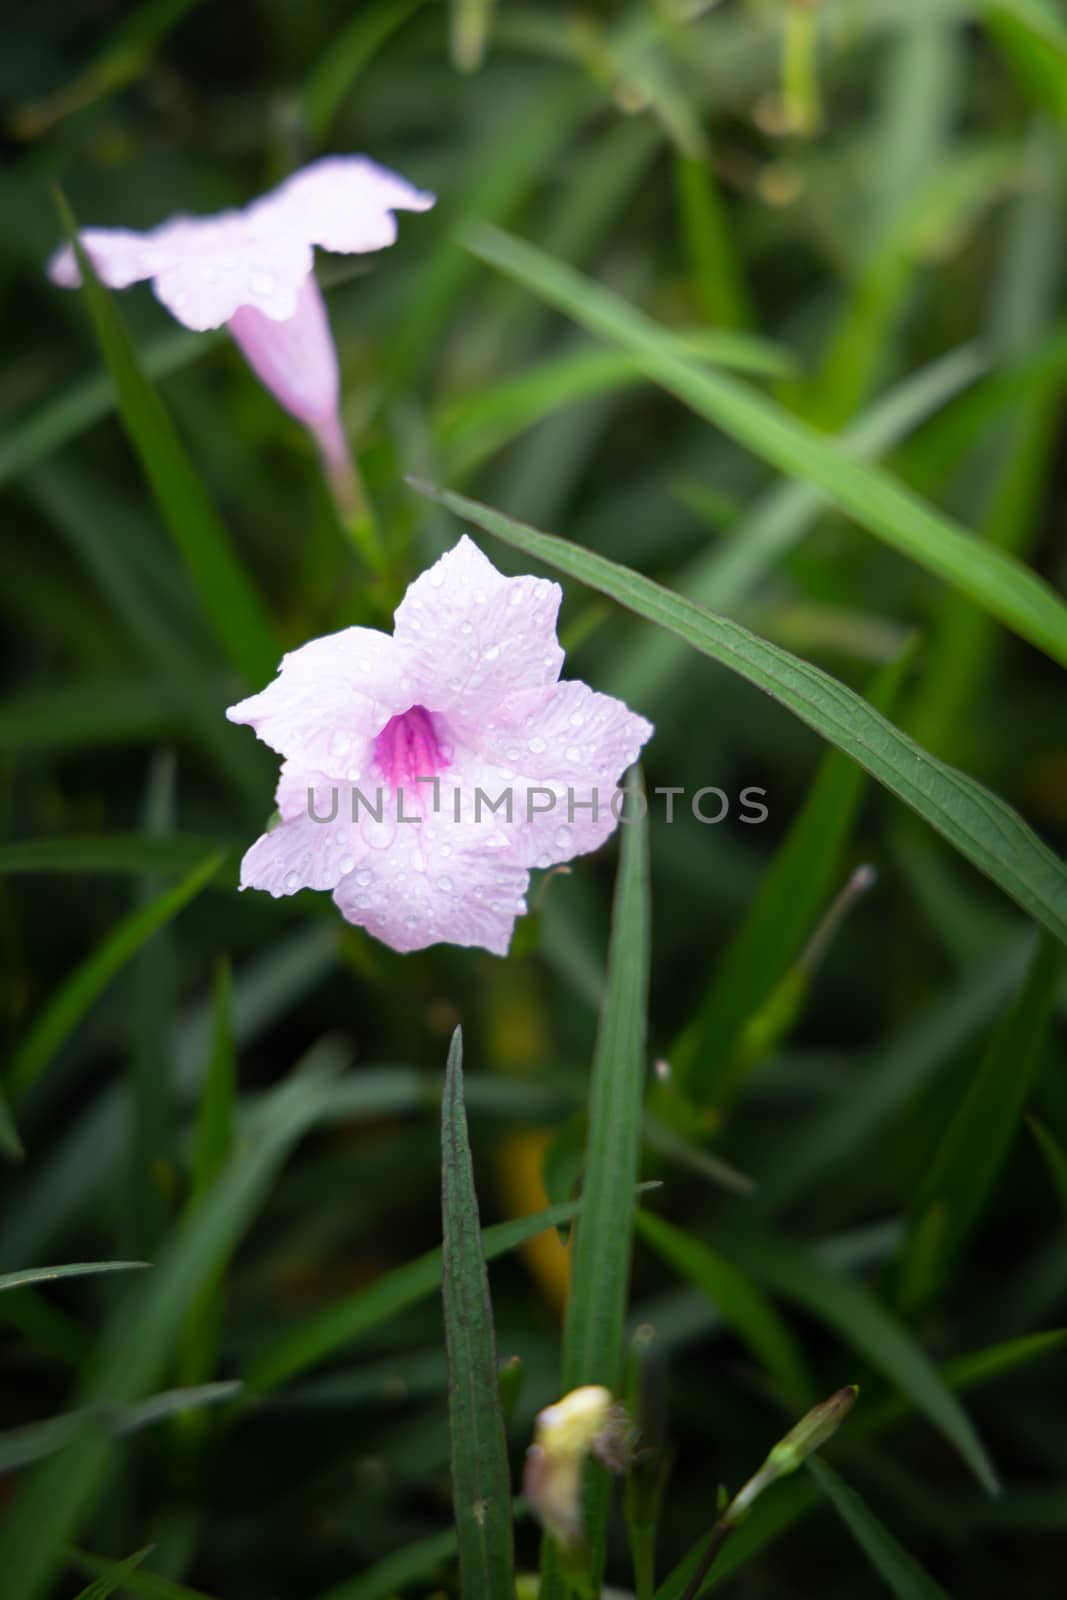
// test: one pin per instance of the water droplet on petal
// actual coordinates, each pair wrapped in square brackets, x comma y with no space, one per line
[262,283]
[292,882]
[515,595]
[437,577]
[347,864]
[537,745]
[563,837]
[364,877]
[573,753]
[445,884]
[466,627]
[479,597]
[491,652]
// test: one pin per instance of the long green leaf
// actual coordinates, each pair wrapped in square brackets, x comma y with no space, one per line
[975,822]
[148,1584]
[901,1572]
[137,853]
[77,1269]
[139,1340]
[34,1440]
[600,1268]
[227,596]
[67,1007]
[786,1268]
[1003,586]
[108,1582]
[318,1336]
[786,1502]
[1055,1158]
[794,890]
[481,1493]
[741,1305]
[960,1179]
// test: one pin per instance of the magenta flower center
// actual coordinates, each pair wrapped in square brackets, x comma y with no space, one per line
[410,746]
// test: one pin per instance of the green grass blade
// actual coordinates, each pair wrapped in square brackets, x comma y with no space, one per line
[67,1007]
[138,1342]
[10,1143]
[793,893]
[594,1329]
[215,1122]
[109,1582]
[891,1561]
[960,1179]
[34,1440]
[328,1330]
[787,1502]
[135,853]
[873,498]
[228,598]
[742,1306]
[138,1582]
[861,1113]
[77,1269]
[481,1492]
[862,1323]
[349,51]
[1055,1158]
[978,824]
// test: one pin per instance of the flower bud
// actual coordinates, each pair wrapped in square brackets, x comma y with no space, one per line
[587,1422]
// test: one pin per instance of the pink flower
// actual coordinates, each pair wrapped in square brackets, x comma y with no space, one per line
[254,271]
[426,772]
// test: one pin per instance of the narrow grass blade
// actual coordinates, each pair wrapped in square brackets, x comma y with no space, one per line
[960,1180]
[1055,1158]
[481,1492]
[794,891]
[863,1112]
[227,596]
[21,1446]
[1033,41]
[213,1143]
[77,1269]
[891,1561]
[862,1323]
[594,1329]
[10,1143]
[978,824]
[138,1342]
[1001,585]
[66,1008]
[328,1330]
[469,31]
[134,853]
[787,1502]
[349,52]
[742,1306]
[138,1582]
[109,1582]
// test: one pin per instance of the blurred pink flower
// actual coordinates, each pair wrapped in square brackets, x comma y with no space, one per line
[254,271]
[427,771]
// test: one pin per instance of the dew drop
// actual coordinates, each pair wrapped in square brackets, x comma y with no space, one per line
[537,745]
[576,719]
[292,882]
[445,884]
[466,627]
[364,878]
[563,837]
[263,283]
[347,864]
[515,595]
[480,597]
[437,577]
[572,753]
[491,652]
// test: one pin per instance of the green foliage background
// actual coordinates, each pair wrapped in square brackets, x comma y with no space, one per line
[846,224]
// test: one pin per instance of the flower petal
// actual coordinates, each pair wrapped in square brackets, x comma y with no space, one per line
[411,895]
[208,267]
[561,762]
[296,360]
[346,203]
[329,701]
[470,637]
[120,256]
